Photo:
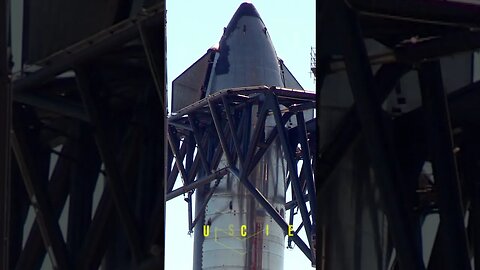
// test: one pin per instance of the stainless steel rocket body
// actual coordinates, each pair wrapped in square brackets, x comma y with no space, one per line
[236,232]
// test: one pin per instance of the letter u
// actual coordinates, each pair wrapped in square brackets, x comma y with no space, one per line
[206,230]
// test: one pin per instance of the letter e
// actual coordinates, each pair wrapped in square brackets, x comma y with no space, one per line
[290,230]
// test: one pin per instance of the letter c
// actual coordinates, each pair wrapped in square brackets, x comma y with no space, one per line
[243,230]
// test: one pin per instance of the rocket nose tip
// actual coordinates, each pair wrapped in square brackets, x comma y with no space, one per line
[244,10]
[247,8]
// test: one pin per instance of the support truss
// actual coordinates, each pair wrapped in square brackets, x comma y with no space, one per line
[120,143]
[224,117]
[344,28]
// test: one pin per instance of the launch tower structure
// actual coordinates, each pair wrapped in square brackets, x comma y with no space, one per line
[242,131]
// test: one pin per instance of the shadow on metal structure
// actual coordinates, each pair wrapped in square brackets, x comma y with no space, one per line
[5,127]
[398,144]
[223,118]
[88,143]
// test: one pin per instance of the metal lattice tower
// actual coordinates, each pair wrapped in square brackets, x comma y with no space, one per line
[394,102]
[86,124]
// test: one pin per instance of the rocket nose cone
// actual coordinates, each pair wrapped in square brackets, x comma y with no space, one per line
[245,9]
[246,56]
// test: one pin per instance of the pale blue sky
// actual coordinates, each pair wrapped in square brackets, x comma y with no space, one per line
[195,26]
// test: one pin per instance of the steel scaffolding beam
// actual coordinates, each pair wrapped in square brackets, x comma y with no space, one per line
[452,231]
[91,47]
[34,251]
[222,114]
[106,150]
[64,112]
[369,112]
[48,225]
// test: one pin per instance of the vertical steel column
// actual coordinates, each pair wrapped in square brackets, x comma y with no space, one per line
[153,39]
[96,241]
[373,127]
[469,161]
[307,165]
[5,127]
[444,168]
[348,129]
[114,178]
[230,114]
[150,170]
[475,215]
[83,177]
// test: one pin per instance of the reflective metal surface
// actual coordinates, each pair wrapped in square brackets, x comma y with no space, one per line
[241,235]
[246,56]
